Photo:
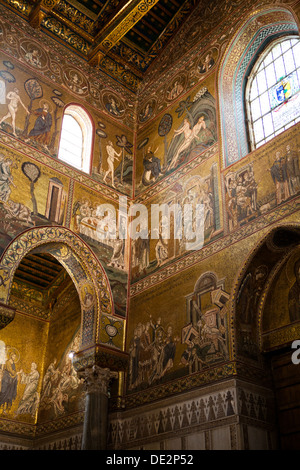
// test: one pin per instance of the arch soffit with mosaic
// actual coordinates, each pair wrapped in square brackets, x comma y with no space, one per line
[79,261]
[261,25]
[285,333]
[284,254]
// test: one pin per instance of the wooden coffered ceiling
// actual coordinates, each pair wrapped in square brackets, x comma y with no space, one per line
[124,35]
[39,271]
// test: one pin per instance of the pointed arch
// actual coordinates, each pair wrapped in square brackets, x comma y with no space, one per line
[84,268]
[253,283]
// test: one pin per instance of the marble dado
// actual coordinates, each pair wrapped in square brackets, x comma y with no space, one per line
[214,406]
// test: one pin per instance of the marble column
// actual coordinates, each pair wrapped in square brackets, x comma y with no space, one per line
[96,380]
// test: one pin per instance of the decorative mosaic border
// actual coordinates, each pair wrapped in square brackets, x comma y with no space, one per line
[59,57]
[212,406]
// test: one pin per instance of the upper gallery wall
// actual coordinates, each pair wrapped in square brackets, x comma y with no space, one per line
[191,119]
[71,81]
[39,82]
[174,294]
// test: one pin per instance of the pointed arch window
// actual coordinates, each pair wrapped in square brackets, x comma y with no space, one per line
[76,140]
[273,91]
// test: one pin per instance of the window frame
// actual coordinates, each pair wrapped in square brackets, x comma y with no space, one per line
[249,122]
[86,123]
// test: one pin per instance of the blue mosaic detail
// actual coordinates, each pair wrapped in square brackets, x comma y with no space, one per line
[257,43]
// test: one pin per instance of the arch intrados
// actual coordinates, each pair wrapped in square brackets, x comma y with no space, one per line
[266,239]
[68,249]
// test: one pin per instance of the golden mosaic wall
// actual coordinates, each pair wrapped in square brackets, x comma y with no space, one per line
[177,332]
[36,83]
[22,378]
[179,303]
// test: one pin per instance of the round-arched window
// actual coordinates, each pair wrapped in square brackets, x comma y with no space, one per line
[272,93]
[76,138]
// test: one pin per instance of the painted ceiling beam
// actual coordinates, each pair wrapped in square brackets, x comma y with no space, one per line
[115,29]
[40,9]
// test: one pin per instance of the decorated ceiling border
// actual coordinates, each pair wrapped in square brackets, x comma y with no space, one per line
[140,61]
[182,54]
[185,52]
[210,25]
[59,57]
[79,32]
[177,175]
[80,45]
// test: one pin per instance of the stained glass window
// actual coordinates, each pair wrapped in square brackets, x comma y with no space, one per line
[273,91]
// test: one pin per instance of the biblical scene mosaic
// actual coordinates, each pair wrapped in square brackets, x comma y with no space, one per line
[263,181]
[179,323]
[178,334]
[177,137]
[176,234]
[101,224]
[32,110]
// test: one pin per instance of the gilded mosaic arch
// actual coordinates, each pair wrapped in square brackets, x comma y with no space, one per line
[285,331]
[261,26]
[253,282]
[84,269]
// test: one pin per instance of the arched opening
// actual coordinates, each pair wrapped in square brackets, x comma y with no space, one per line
[38,381]
[86,316]
[87,273]
[266,321]
[76,138]
[280,327]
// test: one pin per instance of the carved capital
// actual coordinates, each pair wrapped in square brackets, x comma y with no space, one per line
[97,379]
[7,314]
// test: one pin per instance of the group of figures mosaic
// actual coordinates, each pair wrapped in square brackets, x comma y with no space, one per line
[194,191]
[180,85]
[201,342]
[20,388]
[195,134]
[42,122]
[245,196]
